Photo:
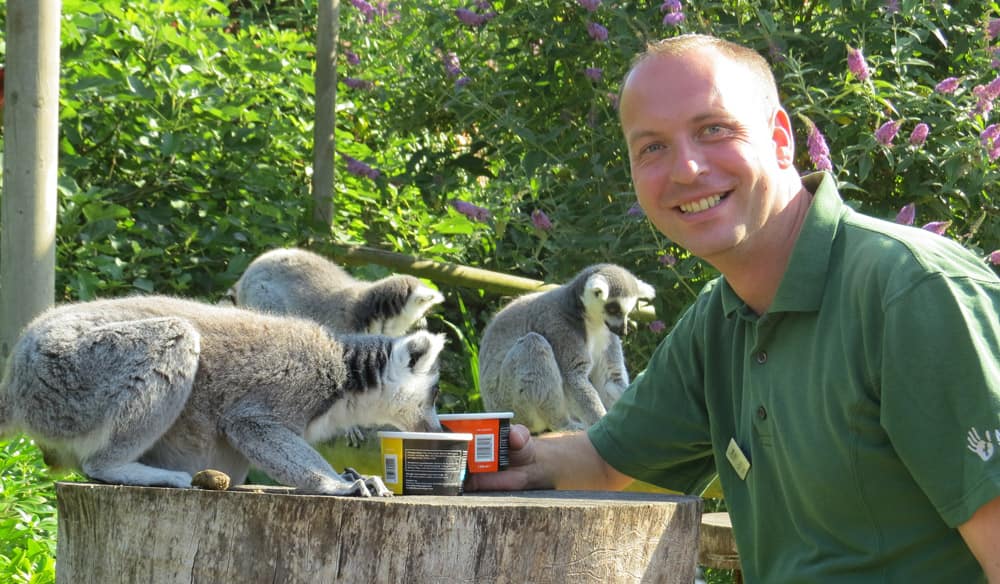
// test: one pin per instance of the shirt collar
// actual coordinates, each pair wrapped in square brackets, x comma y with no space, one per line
[801,288]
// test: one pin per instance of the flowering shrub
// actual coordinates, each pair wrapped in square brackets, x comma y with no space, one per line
[894,98]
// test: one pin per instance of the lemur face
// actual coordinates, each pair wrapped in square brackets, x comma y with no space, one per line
[616,314]
[601,307]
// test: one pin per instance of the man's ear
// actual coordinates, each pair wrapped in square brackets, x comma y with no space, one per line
[784,139]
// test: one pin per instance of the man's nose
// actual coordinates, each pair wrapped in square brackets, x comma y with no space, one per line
[687,164]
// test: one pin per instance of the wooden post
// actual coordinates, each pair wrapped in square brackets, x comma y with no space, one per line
[324,137]
[31,134]
[109,534]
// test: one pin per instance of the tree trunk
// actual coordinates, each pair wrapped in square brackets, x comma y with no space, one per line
[31,134]
[324,139]
[110,533]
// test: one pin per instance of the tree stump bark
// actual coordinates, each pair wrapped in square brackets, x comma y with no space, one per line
[113,533]
[717,547]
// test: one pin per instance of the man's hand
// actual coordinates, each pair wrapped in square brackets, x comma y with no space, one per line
[515,478]
[550,461]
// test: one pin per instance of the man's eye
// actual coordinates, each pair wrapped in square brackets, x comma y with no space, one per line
[714,130]
[652,148]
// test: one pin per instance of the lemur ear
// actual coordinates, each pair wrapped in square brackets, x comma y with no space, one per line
[419,350]
[645,290]
[598,286]
[427,295]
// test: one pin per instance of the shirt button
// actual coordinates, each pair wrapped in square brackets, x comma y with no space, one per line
[761,357]
[761,412]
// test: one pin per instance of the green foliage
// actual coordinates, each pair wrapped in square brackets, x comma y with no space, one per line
[184,138]
[27,515]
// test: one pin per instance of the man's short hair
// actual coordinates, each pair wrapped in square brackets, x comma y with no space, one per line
[756,64]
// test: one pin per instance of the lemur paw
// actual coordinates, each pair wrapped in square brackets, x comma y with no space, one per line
[370,486]
[355,436]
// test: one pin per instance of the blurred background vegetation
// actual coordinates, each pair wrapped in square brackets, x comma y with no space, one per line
[186,148]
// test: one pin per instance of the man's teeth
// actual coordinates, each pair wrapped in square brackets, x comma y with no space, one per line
[702,204]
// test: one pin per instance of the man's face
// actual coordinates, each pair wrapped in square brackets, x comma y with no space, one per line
[703,150]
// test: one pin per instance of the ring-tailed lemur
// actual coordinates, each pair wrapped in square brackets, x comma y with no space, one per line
[301,283]
[554,358]
[150,390]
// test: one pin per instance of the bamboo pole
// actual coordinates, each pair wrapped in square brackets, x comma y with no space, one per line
[453,274]
[31,133]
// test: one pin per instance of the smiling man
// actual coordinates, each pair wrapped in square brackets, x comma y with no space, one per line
[851,443]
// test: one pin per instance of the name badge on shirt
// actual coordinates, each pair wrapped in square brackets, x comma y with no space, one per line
[736,458]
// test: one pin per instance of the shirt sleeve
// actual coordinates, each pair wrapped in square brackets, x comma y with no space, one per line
[941,390]
[658,431]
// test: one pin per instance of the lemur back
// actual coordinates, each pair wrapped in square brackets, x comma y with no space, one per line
[301,283]
[555,358]
[148,390]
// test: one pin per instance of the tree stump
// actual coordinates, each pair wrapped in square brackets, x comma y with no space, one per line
[717,547]
[113,533]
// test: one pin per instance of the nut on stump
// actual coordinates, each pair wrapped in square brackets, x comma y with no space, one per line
[212,480]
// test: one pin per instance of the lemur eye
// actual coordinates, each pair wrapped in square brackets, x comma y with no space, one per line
[613,309]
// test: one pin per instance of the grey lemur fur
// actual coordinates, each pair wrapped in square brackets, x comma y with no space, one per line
[555,358]
[149,390]
[301,283]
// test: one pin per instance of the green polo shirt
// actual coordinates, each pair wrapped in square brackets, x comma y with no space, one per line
[866,399]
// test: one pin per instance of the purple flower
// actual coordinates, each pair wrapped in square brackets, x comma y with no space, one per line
[993,28]
[590,5]
[673,18]
[352,58]
[673,15]
[358,168]
[451,66]
[938,227]
[462,81]
[657,326]
[887,132]
[994,258]
[597,32]
[907,214]
[593,73]
[635,211]
[471,211]
[774,52]
[892,6]
[540,220]
[470,18]
[818,151]
[989,134]
[367,9]
[992,89]
[856,64]
[667,259]
[948,85]
[983,106]
[355,83]
[919,134]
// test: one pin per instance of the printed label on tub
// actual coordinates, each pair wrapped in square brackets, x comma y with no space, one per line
[490,447]
[421,466]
